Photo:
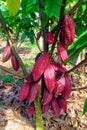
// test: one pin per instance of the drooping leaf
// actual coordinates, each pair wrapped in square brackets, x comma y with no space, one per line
[13,6]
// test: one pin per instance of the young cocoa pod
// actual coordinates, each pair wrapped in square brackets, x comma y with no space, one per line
[7,53]
[45,108]
[55,107]
[50,77]
[69,28]
[47,96]
[15,63]
[62,103]
[24,90]
[67,89]
[31,110]
[60,84]
[62,53]
[40,66]
[34,88]
[49,38]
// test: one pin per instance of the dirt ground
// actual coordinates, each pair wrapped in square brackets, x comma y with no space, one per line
[12,118]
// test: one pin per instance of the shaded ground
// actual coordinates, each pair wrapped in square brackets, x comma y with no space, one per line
[11,114]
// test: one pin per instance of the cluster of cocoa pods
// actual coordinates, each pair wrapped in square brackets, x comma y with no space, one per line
[8,54]
[56,86]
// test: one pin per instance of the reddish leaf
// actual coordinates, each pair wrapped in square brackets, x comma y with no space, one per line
[40,66]
[24,90]
[50,77]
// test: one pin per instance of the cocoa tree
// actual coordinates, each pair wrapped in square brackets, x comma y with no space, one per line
[48,85]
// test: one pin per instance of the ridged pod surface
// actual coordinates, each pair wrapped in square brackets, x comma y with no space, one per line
[67,89]
[40,65]
[60,84]
[7,53]
[24,90]
[62,103]
[61,51]
[34,88]
[50,77]
[55,107]
[15,63]
[47,96]
[69,28]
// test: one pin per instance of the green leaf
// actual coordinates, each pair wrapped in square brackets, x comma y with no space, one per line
[85,107]
[32,6]
[52,7]
[79,41]
[13,6]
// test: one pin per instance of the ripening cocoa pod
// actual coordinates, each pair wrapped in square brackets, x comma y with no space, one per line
[47,96]
[61,51]
[45,108]
[50,77]
[24,90]
[49,38]
[7,53]
[63,39]
[67,89]
[62,103]
[31,110]
[40,65]
[34,88]
[60,84]
[30,78]
[55,107]
[69,28]
[15,63]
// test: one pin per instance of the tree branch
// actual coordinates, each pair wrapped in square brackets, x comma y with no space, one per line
[75,7]
[74,89]
[11,72]
[44,30]
[12,45]
[77,66]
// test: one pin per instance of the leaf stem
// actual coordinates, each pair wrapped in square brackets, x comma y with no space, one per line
[77,66]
